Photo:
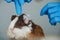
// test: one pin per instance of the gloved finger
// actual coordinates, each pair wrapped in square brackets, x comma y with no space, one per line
[28,1]
[55,20]
[52,21]
[18,7]
[53,4]
[56,14]
[8,1]
[44,10]
[21,2]
[48,6]
[53,10]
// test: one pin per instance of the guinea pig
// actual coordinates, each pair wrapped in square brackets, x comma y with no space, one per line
[22,28]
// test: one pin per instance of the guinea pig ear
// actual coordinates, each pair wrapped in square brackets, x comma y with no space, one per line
[13,17]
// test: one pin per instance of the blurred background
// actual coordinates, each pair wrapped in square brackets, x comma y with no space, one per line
[33,9]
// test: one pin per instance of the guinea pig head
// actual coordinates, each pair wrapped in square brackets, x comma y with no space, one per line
[23,20]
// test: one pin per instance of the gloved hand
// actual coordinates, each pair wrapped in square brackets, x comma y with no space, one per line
[19,4]
[52,9]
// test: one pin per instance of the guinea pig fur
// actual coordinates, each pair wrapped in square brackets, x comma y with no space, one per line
[22,28]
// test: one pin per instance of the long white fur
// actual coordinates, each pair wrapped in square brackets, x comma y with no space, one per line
[16,32]
[11,27]
[21,33]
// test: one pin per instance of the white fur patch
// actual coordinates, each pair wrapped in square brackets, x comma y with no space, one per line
[26,19]
[10,33]
[22,33]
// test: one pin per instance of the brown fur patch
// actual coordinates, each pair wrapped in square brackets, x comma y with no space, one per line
[37,32]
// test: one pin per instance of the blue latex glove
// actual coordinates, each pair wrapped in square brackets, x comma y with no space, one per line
[19,4]
[52,9]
